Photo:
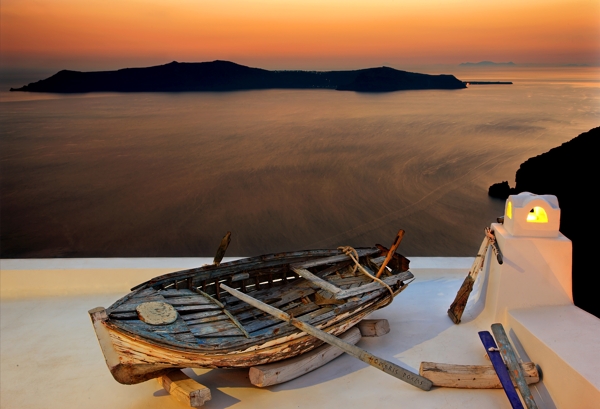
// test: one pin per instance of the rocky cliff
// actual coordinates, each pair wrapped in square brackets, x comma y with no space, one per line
[571,173]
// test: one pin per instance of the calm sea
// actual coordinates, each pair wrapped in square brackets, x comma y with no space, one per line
[148,174]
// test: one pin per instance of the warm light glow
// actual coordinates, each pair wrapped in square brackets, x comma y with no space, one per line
[297,34]
[537,215]
[509,210]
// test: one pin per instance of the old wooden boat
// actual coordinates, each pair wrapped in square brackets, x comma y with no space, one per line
[204,326]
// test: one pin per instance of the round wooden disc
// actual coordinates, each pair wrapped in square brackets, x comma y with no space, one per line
[156,313]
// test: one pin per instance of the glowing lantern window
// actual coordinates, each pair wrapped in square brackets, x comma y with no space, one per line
[537,215]
[509,209]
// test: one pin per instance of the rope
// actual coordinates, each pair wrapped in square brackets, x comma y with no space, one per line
[351,252]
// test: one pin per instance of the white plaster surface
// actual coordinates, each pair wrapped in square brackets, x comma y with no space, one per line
[536,272]
[50,358]
[63,277]
[564,340]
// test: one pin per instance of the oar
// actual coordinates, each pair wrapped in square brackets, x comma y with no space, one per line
[379,363]
[457,307]
[515,370]
[490,235]
[391,252]
[222,248]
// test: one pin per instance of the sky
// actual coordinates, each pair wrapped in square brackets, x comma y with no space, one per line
[296,34]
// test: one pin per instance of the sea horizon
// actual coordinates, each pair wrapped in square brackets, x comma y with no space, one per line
[167,174]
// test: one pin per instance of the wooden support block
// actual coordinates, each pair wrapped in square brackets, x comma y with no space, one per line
[471,376]
[288,369]
[184,389]
[373,328]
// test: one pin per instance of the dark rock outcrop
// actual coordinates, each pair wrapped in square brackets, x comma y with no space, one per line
[487,64]
[500,190]
[570,172]
[228,76]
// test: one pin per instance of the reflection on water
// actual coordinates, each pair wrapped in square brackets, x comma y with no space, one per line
[168,174]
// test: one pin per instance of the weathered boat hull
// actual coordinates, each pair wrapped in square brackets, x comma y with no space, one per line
[134,355]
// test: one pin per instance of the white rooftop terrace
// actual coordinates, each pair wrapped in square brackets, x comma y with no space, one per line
[50,356]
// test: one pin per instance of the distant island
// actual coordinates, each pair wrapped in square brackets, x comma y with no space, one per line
[229,76]
[488,83]
[569,172]
[487,64]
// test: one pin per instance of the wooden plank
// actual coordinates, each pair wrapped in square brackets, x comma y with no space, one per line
[514,369]
[253,313]
[184,389]
[177,328]
[183,309]
[237,323]
[201,330]
[230,333]
[319,282]
[131,304]
[323,297]
[177,333]
[195,299]
[145,293]
[240,276]
[176,293]
[253,263]
[284,329]
[264,294]
[348,281]
[213,318]
[377,362]
[200,315]
[280,297]
[378,260]
[266,322]
[392,280]
[129,315]
[494,354]
[335,268]
[457,307]
[367,304]
[373,328]
[471,376]
[288,369]
[332,259]
[216,343]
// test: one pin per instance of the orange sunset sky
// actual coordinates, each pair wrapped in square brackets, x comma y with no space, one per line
[306,34]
